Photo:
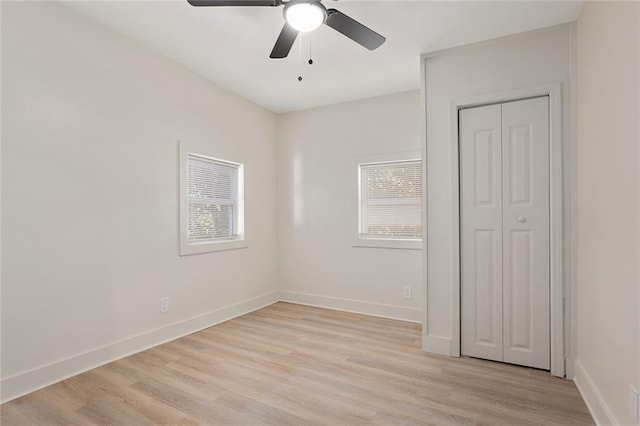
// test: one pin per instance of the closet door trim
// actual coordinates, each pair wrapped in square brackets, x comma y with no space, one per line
[555,204]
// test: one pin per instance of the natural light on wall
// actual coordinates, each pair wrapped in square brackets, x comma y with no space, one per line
[298,191]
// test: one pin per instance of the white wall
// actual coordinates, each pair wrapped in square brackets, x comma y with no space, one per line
[521,61]
[89,197]
[609,213]
[317,152]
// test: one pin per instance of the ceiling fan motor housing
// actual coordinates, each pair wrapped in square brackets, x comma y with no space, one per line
[305,15]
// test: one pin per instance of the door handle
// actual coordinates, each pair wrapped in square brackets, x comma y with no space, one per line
[522,219]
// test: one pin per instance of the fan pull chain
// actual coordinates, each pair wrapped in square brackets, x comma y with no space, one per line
[310,61]
[300,57]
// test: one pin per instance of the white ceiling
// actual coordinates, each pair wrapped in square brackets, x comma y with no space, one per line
[230,45]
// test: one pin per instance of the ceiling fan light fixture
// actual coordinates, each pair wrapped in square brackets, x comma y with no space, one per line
[305,16]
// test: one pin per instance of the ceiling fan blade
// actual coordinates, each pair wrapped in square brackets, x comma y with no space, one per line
[235,2]
[285,42]
[354,30]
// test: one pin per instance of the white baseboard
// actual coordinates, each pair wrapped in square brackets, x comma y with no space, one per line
[20,384]
[29,381]
[436,345]
[596,404]
[570,369]
[356,306]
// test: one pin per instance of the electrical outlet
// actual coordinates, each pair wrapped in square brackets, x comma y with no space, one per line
[406,292]
[634,404]
[164,305]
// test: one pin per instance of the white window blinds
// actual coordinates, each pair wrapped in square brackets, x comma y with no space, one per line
[212,206]
[391,200]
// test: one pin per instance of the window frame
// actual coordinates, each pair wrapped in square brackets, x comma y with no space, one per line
[389,243]
[189,248]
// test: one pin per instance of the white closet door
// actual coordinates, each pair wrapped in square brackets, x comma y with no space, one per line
[525,195]
[481,232]
[504,232]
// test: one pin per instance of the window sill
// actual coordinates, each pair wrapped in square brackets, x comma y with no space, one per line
[212,246]
[389,244]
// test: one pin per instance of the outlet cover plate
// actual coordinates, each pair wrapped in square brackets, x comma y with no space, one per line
[164,305]
[406,292]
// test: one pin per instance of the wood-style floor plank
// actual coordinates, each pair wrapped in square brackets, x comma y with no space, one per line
[290,364]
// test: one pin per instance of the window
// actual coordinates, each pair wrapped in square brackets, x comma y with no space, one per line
[390,204]
[211,204]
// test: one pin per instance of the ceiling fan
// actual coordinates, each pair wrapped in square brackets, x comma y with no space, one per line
[305,16]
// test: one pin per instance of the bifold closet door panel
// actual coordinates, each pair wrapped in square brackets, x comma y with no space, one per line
[525,195]
[481,232]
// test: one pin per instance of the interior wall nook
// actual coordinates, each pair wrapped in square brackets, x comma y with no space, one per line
[532,64]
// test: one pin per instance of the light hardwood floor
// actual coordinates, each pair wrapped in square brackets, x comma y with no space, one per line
[291,364]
